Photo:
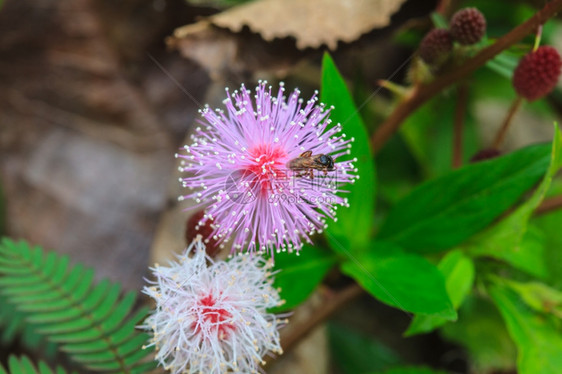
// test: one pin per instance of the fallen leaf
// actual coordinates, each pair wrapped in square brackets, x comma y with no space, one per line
[312,22]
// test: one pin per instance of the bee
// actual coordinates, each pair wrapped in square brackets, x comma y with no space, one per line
[307,162]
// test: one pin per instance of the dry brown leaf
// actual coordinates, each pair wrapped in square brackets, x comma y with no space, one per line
[312,22]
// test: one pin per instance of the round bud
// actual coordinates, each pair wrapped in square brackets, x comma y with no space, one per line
[468,26]
[195,226]
[537,73]
[436,46]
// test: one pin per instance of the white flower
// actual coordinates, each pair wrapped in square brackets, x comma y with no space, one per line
[211,316]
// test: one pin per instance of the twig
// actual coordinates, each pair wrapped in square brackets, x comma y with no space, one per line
[332,302]
[421,93]
[548,205]
[507,121]
[460,111]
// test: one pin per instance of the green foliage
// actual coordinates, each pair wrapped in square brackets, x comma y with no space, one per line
[411,370]
[13,325]
[23,365]
[447,210]
[312,264]
[538,296]
[481,330]
[88,321]
[356,353]
[403,280]
[439,21]
[503,64]
[537,335]
[458,271]
[353,229]
[428,133]
[505,241]
[548,226]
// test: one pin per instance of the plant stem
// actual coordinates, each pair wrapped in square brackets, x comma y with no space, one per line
[460,111]
[537,38]
[332,301]
[548,205]
[506,122]
[421,93]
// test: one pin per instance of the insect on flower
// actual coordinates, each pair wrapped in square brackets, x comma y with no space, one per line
[307,162]
[240,169]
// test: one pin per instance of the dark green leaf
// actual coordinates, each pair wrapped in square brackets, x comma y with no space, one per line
[354,225]
[403,280]
[299,276]
[506,241]
[445,211]
[411,370]
[357,353]
[458,271]
[428,134]
[481,331]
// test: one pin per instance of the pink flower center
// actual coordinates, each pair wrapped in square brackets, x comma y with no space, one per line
[268,165]
[217,318]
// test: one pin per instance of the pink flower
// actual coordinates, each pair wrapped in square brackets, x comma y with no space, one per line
[213,318]
[238,167]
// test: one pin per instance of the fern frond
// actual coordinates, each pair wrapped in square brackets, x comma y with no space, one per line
[13,325]
[89,322]
[23,365]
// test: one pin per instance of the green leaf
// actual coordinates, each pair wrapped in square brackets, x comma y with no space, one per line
[355,224]
[458,271]
[505,241]
[504,64]
[480,329]
[538,338]
[411,370]
[356,353]
[299,276]
[428,134]
[402,280]
[447,210]
[24,365]
[538,296]
[13,325]
[14,365]
[549,226]
[439,21]
[64,306]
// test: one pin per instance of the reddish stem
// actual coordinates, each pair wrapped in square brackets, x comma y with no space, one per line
[506,122]
[332,301]
[460,111]
[550,204]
